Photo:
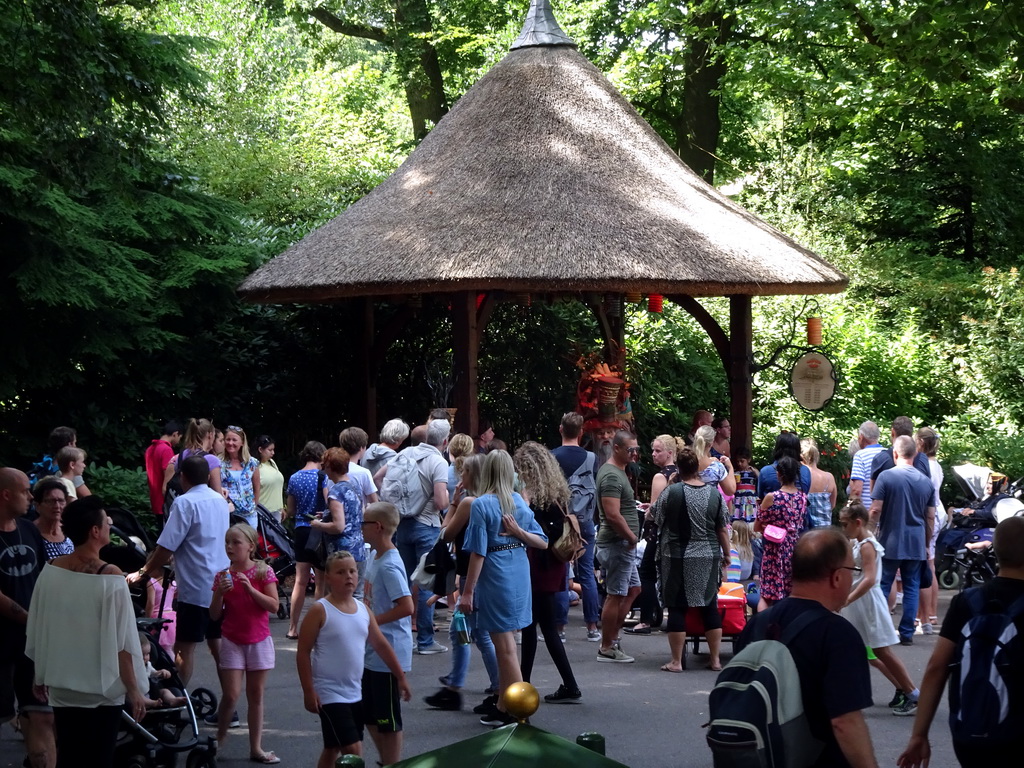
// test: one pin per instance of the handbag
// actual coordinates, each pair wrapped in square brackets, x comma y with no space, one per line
[775,533]
[439,559]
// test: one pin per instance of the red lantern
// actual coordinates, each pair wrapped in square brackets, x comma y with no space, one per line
[655,302]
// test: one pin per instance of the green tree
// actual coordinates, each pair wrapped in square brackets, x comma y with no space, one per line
[106,239]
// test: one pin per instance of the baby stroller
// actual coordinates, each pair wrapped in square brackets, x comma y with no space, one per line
[165,733]
[989,500]
[275,548]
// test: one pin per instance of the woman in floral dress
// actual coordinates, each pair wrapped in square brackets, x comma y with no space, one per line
[782,509]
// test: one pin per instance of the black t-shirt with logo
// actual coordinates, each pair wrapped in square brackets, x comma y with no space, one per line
[22,556]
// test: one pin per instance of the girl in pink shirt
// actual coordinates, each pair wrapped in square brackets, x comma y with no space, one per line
[243,596]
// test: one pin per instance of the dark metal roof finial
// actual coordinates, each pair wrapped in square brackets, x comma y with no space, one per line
[540,28]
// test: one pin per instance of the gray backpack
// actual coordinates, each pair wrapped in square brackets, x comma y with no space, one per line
[405,485]
[583,484]
[756,707]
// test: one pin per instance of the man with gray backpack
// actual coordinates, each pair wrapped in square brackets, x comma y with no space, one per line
[980,651]
[580,469]
[792,695]
[416,482]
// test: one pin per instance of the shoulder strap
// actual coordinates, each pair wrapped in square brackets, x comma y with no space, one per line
[794,628]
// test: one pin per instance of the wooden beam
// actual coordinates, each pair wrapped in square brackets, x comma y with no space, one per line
[367,364]
[741,386]
[466,350]
[709,324]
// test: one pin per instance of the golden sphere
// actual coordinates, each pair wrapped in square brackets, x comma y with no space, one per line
[521,700]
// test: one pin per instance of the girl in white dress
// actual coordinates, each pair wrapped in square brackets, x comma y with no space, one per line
[868,611]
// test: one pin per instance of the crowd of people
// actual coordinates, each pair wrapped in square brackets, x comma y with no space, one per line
[363,516]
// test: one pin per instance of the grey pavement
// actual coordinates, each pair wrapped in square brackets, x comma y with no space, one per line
[649,718]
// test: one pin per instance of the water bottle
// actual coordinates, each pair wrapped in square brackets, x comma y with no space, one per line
[461,628]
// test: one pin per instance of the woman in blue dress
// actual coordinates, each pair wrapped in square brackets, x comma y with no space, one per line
[501,526]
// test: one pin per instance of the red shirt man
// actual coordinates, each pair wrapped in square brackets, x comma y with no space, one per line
[158,455]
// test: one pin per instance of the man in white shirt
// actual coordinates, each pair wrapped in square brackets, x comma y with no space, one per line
[194,535]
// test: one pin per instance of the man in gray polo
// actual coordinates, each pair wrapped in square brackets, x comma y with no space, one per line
[616,545]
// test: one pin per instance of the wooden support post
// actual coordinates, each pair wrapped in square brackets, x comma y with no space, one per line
[466,349]
[741,386]
[367,365]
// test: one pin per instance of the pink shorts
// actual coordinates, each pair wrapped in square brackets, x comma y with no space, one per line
[251,656]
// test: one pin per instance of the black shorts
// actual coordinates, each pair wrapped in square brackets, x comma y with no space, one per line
[16,677]
[302,553]
[341,724]
[381,704]
[193,624]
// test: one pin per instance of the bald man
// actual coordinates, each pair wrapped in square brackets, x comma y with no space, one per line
[22,556]
[828,652]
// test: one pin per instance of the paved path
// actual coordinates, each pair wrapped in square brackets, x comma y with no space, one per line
[648,717]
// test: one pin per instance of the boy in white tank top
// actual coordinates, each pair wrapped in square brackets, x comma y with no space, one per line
[331,648]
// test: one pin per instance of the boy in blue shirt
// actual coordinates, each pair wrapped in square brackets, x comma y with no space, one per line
[389,599]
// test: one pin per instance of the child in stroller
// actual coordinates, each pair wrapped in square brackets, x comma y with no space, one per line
[171,725]
[158,695]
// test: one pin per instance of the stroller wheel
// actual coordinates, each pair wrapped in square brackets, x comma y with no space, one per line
[136,761]
[949,579]
[282,611]
[204,702]
[201,758]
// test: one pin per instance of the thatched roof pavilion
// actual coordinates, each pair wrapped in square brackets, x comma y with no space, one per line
[544,179]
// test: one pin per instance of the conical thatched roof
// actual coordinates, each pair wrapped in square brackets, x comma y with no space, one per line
[542,178]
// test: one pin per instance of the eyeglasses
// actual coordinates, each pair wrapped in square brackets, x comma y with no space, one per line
[233,428]
[853,568]
[633,450]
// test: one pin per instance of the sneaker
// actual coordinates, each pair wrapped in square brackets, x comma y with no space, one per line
[564,696]
[446,699]
[427,650]
[898,698]
[593,635]
[926,629]
[486,706]
[614,655]
[561,636]
[907,707]
[907,640]
[211,719]
[497,718]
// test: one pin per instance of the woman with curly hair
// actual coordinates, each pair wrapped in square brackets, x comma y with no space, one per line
[544,488]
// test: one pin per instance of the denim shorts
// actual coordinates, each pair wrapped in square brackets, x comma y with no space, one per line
[618,561]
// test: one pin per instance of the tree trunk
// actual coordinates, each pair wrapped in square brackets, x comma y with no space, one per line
[416,56]
[419,64]
[704,67]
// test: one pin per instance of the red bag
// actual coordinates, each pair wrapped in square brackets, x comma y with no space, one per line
[734,617]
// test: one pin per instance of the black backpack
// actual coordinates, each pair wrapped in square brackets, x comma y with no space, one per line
[986,673]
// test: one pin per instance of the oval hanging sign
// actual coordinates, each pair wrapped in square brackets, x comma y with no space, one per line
[812,381]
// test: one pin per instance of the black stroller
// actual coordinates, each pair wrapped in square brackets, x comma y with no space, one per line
[164,733]
[168,732]
[989,499]
[275,547]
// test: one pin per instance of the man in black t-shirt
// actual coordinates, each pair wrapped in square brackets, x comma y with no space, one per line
[829,654]
[22,556]
[1005,589]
